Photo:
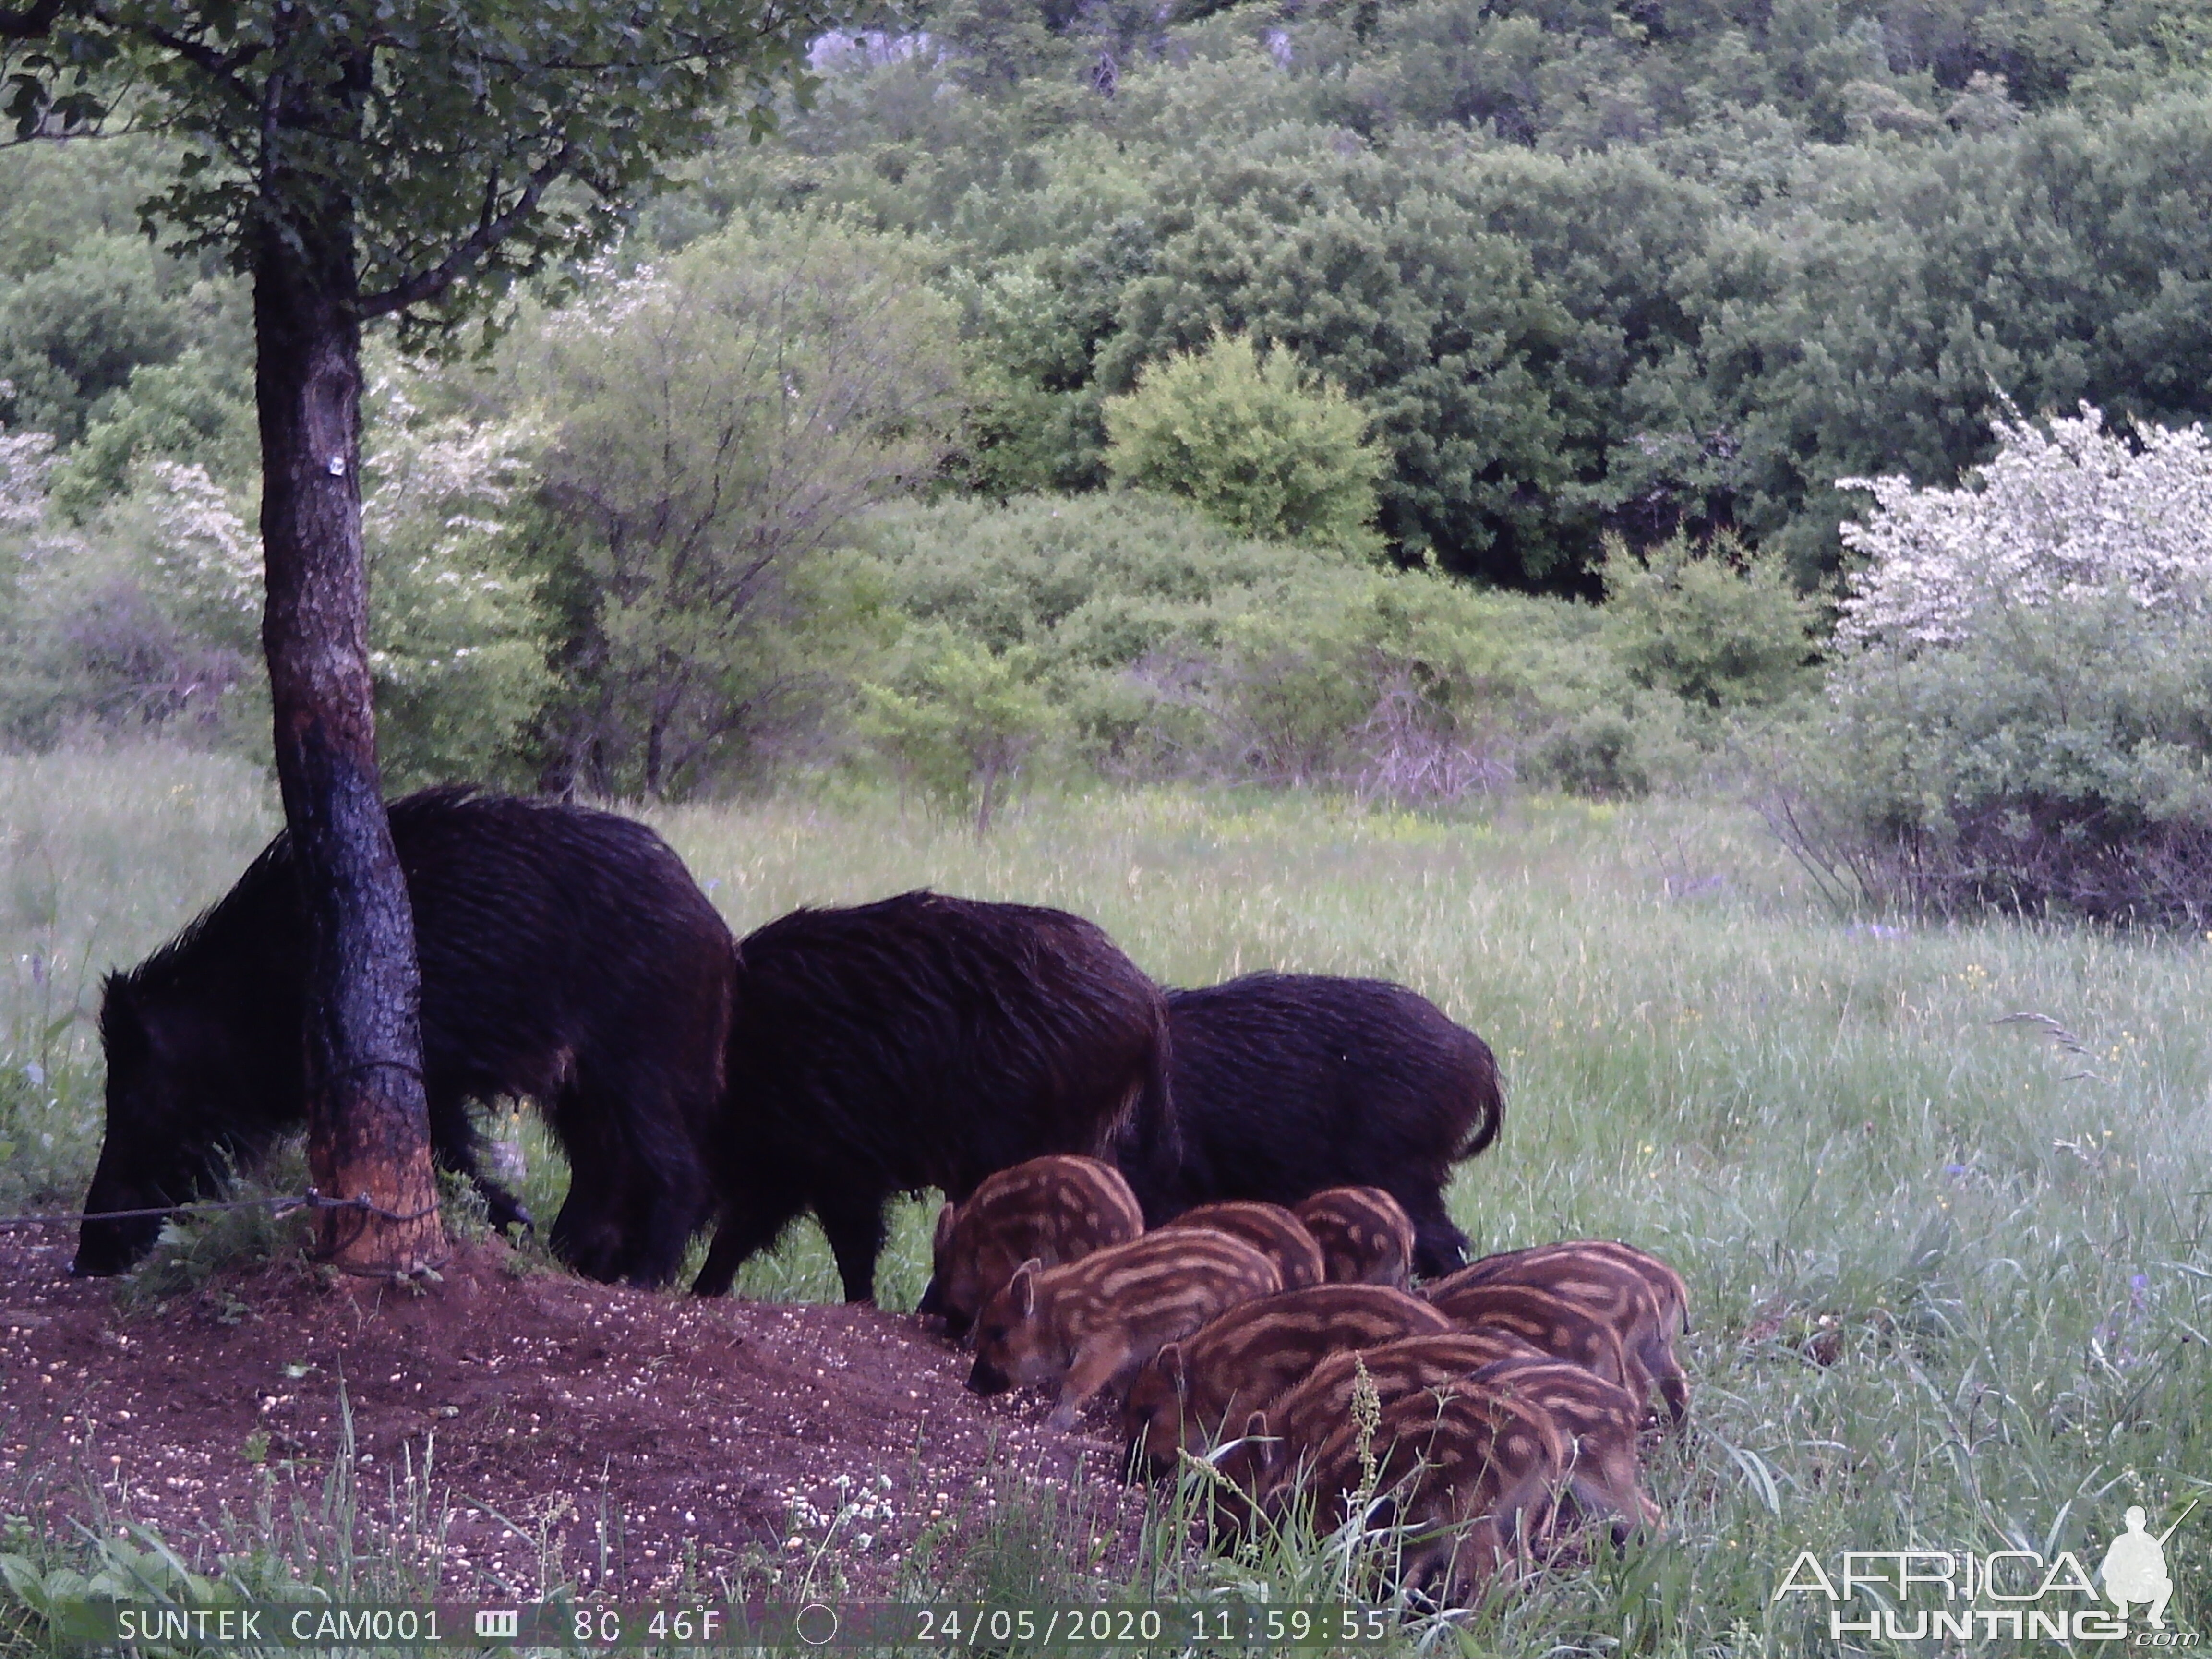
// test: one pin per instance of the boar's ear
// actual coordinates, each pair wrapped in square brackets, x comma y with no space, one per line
[1024,1286]
[1170,1364]
[942,1241]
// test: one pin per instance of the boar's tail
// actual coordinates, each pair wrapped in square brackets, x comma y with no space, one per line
[1147,1143]
[1488,1100]
[1155,1110]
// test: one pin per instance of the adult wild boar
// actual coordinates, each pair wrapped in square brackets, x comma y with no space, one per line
[567,957]
[922,1041]
[1287,1084]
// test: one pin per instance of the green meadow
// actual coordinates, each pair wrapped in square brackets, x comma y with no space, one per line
[1939,1194]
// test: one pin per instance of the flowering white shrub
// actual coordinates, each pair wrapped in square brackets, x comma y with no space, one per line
[206,545]
[455,636]
[2073,512]
[25,459]
[2021,718]
[453,475]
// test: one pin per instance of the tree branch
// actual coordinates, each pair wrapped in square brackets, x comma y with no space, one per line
[220,67]
[31,22]
[490,232]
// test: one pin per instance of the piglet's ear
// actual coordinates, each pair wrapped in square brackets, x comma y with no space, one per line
[943,1239]
[1257,1438]
[1024,1287]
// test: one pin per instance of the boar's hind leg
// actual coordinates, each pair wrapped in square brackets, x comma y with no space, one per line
[754,1214]
[454,1143]
[587,1234]
[1439,1248]
[591,1234]
[635,1191]
[854,1222]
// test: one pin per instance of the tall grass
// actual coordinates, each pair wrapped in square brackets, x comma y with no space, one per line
[1947,1266]
[102,857]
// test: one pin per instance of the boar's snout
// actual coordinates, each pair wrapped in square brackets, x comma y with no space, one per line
[984,1377]
[107,1247]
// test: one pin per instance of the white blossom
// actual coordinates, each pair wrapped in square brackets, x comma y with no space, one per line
[432,486]
[609,299]
[2074,512]
[25,459]
[451,476]
[208,545]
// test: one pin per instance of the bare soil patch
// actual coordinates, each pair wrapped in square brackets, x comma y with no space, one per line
[643,1434]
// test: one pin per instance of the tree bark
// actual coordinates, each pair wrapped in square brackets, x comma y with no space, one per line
[368,1127]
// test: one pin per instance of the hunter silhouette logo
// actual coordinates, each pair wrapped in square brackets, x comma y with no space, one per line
[2135,1567]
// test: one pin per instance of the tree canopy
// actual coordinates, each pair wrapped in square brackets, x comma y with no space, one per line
[464,146]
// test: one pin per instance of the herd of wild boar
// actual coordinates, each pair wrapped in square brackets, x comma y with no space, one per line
[1209,1203]
[1509,1397]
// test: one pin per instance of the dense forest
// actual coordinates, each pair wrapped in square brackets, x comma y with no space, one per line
[1405,393]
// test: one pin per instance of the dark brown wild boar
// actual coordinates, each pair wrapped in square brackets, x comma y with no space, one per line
[568,958]
[1601,1424]
[1642,1297]
[1562,1329]
[1285,1083]
[1050,1210]
[1091,1324]
[1195,1390]
[1471,1473]
[1268,1227]
[922,1041]
[1364,1235]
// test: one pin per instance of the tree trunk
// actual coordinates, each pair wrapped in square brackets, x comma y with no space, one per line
[368,1127]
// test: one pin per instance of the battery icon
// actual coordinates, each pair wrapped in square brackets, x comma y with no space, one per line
[493,1622]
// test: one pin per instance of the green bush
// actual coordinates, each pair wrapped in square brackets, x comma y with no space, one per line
[1115,596]
[145,618]
[961,722]
[1254,439]
[197,410]
[71,334]
[142,621]
[1415,686]
[1173,647]
[1099,580]
[1722,626]
[2056,761]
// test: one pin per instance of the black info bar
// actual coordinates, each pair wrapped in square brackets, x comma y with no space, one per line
[800,1626]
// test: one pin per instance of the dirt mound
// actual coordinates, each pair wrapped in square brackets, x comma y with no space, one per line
[633,1432]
